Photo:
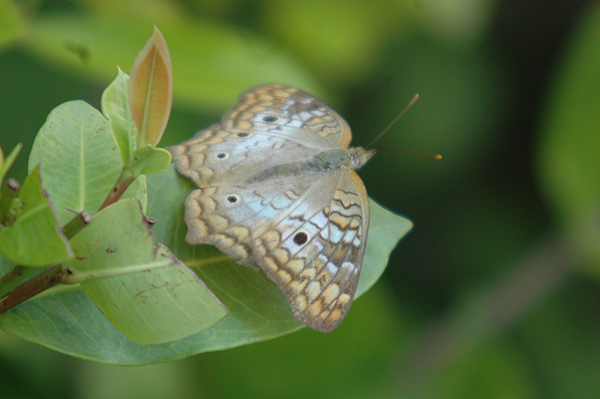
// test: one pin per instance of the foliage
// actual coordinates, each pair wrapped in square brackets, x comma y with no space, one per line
[494,293]
[125,290]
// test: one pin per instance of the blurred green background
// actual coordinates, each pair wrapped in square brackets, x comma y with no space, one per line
[494,294]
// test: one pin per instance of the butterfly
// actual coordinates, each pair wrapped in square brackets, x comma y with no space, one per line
[278,191]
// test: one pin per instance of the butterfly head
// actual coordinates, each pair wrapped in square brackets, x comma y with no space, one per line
[360,156]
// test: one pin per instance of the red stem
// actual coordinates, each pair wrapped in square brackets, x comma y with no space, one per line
[48,278]
[124,181]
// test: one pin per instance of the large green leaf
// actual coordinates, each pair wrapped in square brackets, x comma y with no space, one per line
[337,53]
[36,238]
[569,161]
[257,309]
[494,371]
[145,291]
[269,313]
[80,158]
[10,23]
[212,63]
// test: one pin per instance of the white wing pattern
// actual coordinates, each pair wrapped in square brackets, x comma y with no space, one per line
[277,192]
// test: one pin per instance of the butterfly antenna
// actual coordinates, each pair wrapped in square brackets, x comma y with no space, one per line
[434,156]
[415,98]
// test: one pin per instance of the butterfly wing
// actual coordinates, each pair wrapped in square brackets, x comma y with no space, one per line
[229,215]
[309,238]
[269,121]
[257,203]
[296,111]
[316,262]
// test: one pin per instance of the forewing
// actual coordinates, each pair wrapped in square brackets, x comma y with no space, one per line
[291,111]
[317,263]
[270,124]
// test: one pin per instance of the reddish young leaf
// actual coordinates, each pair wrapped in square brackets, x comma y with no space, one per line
[151,90]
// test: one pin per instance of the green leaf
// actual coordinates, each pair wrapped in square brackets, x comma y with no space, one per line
[10,23]
[80,158]
[385,230]
[568,159]
[338,54]
[497,370]
[258,311]
[146,293]
[562,334]
[149,160]
[115,107]
[209,71]
[35,238]
[10,205]
[237,285]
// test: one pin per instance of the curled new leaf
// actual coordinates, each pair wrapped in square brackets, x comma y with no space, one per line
[149,160]
[115,107]
[151,90]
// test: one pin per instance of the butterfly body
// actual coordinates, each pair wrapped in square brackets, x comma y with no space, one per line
[277,191]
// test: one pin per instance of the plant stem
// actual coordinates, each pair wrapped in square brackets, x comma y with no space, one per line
[76,224]
[49,278]
[124,181]
[13,278]
[12,294]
